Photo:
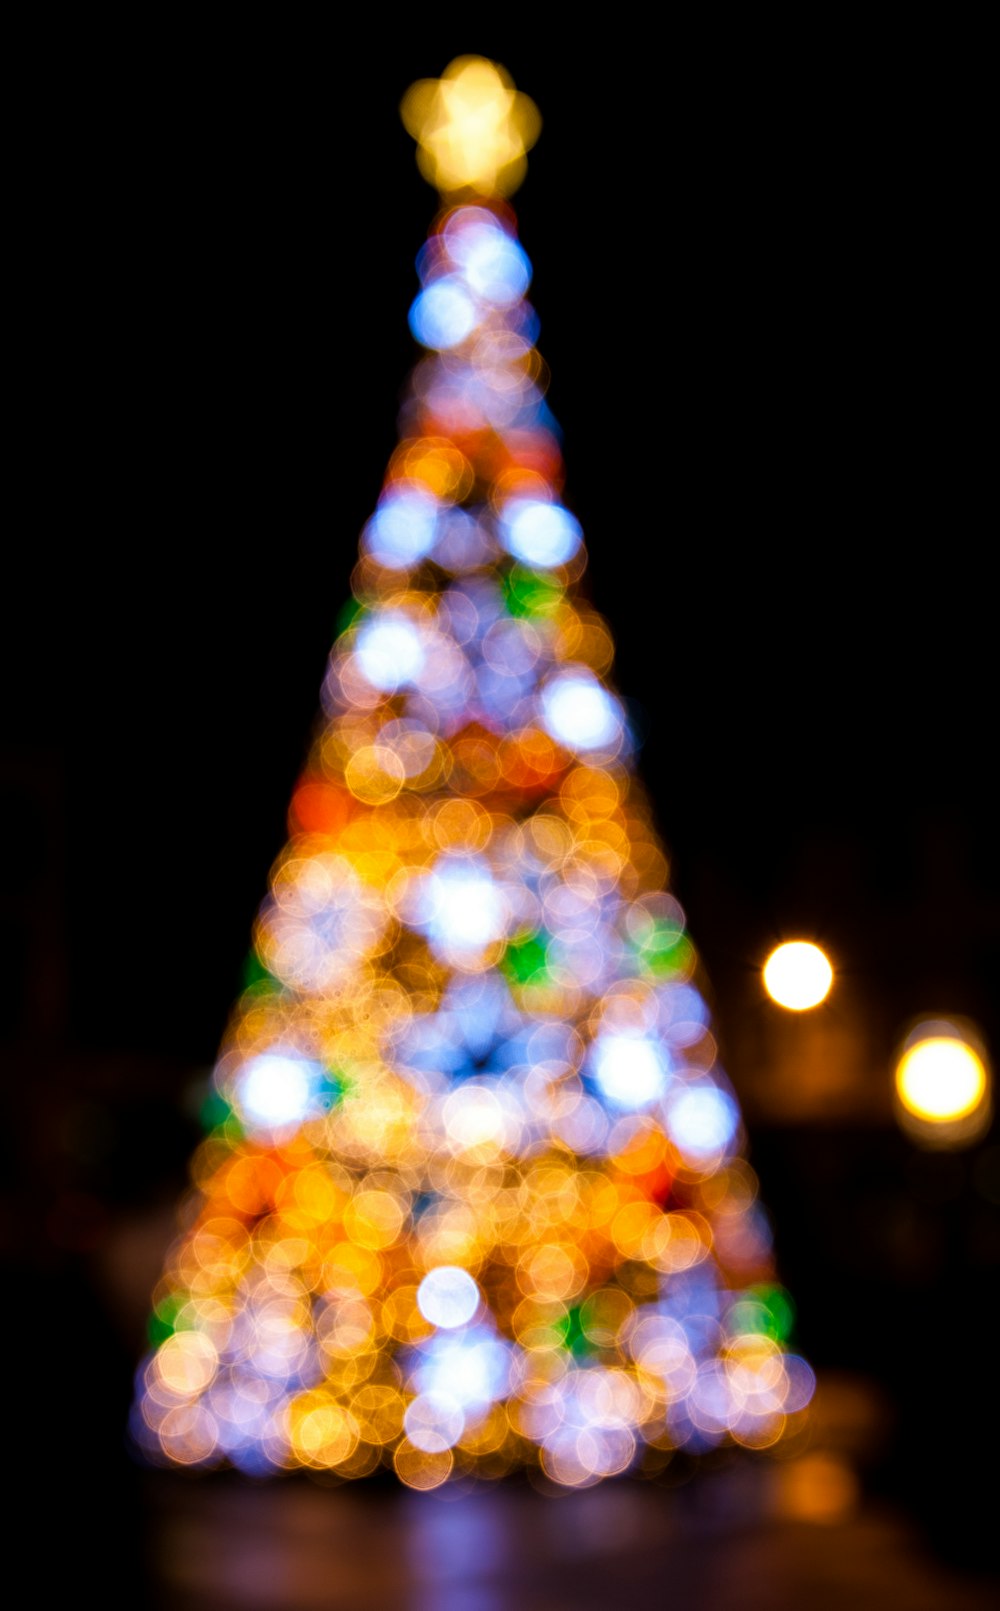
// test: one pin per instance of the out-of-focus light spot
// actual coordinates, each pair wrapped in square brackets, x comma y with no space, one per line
[941,1079]
[420,1470]
[702,1120]
[820,1487]
[323,1434]
[319,807]
[472,127]
[471,1366]
[474,1116]
[434,1422]
[943,1083]
[463,907]
[187,1362]
[579,713]
[443,314]
[390,652]
[766,1308]
[433,466]
[318,922]
[374,774]
[801,1383]
[797,975]
[630,1069]
[276,1089]
[403,528]
[493,263]
[448,1297]
[539,533]
[530,595]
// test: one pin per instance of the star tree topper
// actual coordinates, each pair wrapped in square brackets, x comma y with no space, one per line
[472,128]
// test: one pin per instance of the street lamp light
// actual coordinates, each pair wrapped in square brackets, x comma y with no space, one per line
[943,1083]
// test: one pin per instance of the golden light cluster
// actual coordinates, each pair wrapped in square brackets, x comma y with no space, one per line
[472,127]
[472,1195]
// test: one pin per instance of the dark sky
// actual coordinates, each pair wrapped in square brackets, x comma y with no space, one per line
[760,298]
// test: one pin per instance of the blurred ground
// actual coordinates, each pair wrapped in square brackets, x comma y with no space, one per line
[729,1542]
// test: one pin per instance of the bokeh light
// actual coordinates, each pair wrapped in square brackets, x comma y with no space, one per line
[276,1090]
[471,1196]
[942,1082]
[472,127]
[798,975]
[448,1297]
[539,533]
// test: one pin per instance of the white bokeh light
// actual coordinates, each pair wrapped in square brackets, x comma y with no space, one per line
[434,1422]
[448,1296]
[473,1367]
[403,528]
[702,1120]
[630,1070]
[276,1089]
[798,975]
[493,263]
[390,652]
[579,713]
[462,908]
[539,533]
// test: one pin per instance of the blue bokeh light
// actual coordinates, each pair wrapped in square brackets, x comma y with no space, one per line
[444,314]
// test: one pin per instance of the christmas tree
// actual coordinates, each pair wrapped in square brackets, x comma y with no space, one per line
[473,1195]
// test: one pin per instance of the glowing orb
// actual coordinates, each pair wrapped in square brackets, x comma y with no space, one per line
[581,714]
[463,909]
[472,1367]
[448,1296]
[703,1120]
[277,1089]
[941,1079]
[403,528]
[494,265]
[472,127]
[390,652]
[629,1069]
[539,533]
[797,975]
[443,315]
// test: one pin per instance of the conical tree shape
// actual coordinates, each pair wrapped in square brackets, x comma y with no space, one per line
[474,1197]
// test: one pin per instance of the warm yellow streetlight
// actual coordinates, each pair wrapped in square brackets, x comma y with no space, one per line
[943,1083]
[797,975]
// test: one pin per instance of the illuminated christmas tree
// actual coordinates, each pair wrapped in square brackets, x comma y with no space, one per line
[473,1196]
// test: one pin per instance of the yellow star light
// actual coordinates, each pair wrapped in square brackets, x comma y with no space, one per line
[472,128]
